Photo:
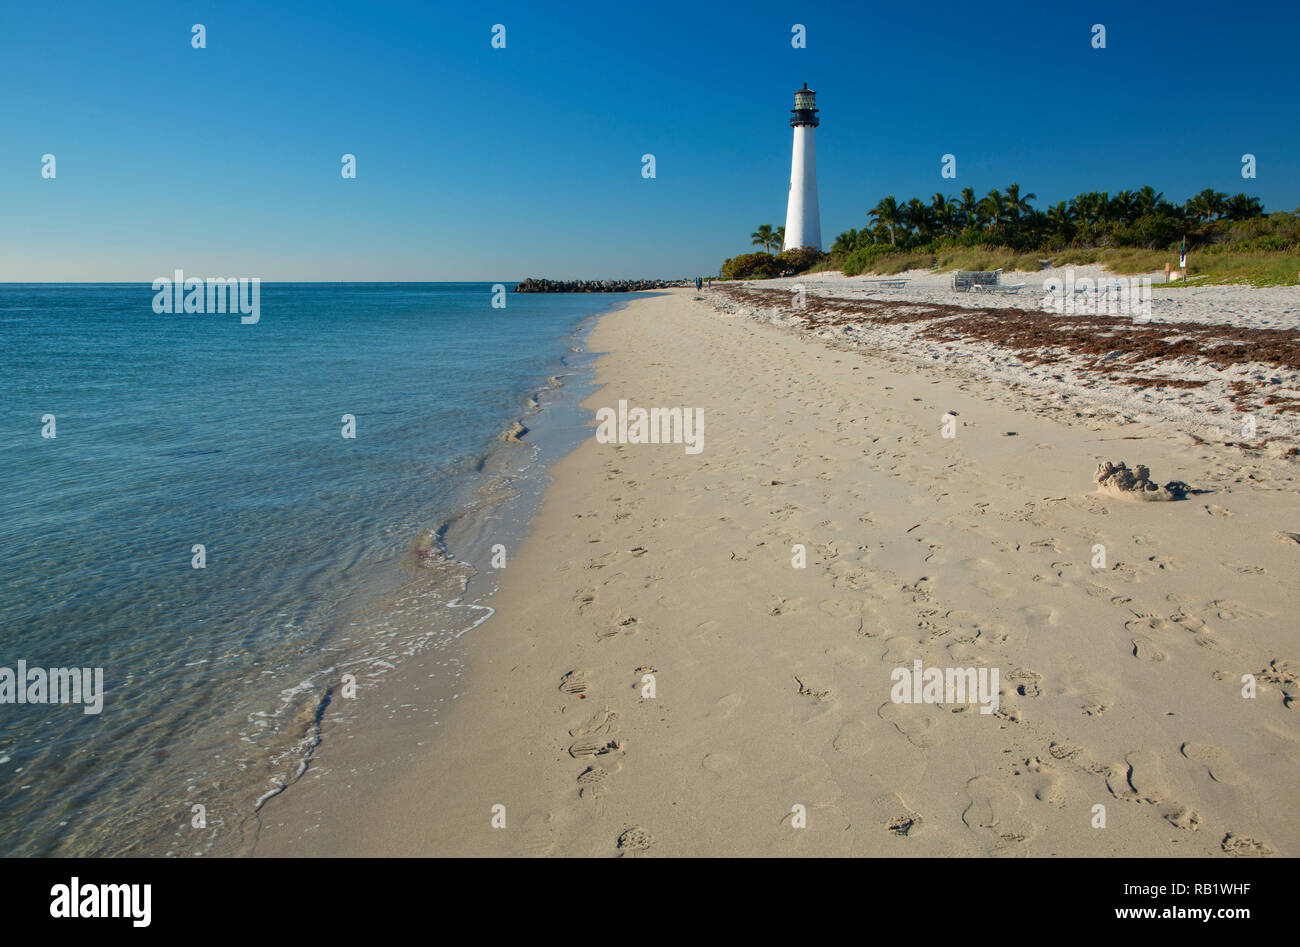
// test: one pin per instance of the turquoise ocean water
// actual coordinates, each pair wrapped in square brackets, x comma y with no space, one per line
[176,430]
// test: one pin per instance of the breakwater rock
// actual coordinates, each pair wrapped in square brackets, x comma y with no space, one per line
[532,285]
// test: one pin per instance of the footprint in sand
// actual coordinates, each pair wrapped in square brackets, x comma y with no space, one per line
[724,707]
[913,721]
[965,654]
[1183,817]
[588,747]
[602,721]
[844,576]
[812,691]
[634,841]
[1219,766]
[586,599]
[600,562]
[894,816]
[1245,568]
[1046,782]
[1228,610]
[536,835]
[1188,621]
[1039,616]
[1163,563]
[849,658]
[783,606]
[1243,846]
[706,632]
[592,782]
[1124,572]
[1285,675]
[1097,692]
[854,739]
[575,682]
[1199,630]
[994,808]
[899,651]
[1025,682]
[618,626]
[1145,621]
[1140,779]
[1145,650]
[1076,755]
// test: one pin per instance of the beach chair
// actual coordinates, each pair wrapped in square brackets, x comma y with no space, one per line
[965,281]
[887,283]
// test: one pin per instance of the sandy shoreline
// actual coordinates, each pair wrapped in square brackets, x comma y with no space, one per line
[1120,685]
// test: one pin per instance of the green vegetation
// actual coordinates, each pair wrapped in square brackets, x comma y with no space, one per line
[765,265]
[1229,239]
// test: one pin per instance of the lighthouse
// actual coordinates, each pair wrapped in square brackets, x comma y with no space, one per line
[803,226]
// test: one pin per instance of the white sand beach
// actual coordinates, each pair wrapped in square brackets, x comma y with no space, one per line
[1120,631]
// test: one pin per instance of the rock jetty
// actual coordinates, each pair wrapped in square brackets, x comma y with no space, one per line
[532,285]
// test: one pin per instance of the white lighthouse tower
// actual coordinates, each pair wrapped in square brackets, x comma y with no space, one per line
[803,225]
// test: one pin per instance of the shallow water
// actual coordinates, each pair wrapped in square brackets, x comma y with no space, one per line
[176,430]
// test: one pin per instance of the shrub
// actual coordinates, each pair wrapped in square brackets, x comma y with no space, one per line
[797,260]
[750,266]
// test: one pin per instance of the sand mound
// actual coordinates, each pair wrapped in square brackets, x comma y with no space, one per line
[1136,484]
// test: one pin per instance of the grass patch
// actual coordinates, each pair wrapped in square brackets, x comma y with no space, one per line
[1207,265]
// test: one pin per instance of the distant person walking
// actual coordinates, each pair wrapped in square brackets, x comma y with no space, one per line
[698,283]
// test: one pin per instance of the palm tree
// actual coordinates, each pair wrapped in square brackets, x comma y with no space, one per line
[763,237]
[845,242]
[994,208]
[887,212]
[1147,200]
[1090,209]
[1017,205]
[943,210]
[1061,217]
[1123,207]
[778,240]
[969,207]
[917,217]
[1209,203]
[1241,207]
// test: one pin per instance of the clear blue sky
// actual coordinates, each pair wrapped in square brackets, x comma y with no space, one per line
[482,164]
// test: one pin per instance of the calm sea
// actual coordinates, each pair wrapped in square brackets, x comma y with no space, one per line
[173,431]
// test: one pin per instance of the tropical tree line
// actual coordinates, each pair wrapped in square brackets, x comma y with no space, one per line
[1141,218]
